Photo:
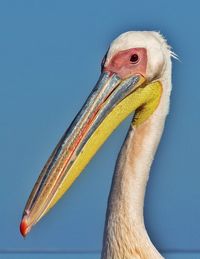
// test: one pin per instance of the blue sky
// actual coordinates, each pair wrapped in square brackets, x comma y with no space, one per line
[50,55]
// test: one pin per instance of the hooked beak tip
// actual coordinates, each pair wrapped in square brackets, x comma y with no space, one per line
[24,226]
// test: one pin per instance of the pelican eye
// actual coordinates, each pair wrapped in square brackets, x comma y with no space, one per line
[134,58]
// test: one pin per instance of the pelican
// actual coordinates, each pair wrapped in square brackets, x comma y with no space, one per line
[135,78]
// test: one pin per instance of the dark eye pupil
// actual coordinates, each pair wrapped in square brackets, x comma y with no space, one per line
[134,58]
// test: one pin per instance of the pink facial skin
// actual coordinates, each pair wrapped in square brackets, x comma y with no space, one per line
[128,62]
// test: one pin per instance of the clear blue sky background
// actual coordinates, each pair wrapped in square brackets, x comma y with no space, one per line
[50,54]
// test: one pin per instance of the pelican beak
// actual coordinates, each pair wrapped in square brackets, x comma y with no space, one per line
[110,102]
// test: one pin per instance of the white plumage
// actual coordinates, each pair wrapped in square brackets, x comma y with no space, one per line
[125,234]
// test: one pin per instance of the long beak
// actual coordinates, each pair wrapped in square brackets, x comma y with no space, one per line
[110,102]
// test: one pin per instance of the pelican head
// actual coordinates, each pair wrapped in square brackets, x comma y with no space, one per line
[131,80]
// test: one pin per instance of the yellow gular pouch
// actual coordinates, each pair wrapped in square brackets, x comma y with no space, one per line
[151,99]
[143,99]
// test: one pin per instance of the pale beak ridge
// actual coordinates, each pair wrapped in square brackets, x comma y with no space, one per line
[71,155]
